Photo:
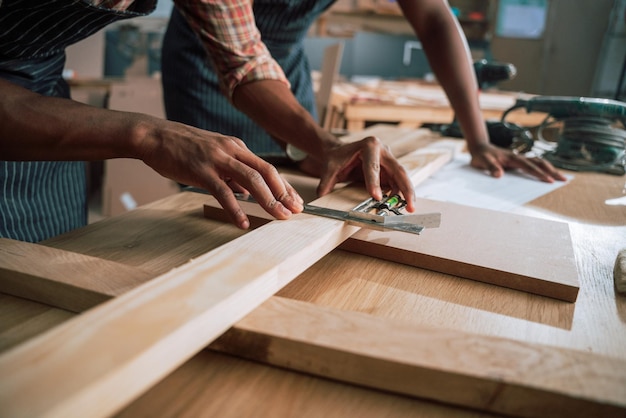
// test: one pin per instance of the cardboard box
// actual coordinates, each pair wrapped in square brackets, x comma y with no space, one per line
[129,183]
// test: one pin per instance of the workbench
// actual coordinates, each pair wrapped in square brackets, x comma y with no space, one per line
[160,236]
[411,103]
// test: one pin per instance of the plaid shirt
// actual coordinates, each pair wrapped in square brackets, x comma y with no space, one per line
[229,33]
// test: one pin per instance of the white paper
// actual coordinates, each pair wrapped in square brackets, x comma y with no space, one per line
[459,183]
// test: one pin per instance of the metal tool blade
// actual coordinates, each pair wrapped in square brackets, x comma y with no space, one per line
[413,224]
[412,228]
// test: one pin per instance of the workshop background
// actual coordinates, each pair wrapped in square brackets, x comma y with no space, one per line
[559,47]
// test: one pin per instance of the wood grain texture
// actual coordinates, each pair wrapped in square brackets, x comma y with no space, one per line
[514,251]
[212,384]
[21,320]
[486,373]
[154,328]
[170,232]
[154,237]
[63,279]
[517,252]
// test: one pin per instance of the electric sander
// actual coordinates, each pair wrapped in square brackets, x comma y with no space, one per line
[591,133]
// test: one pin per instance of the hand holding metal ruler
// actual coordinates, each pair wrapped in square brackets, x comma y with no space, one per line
[382,215]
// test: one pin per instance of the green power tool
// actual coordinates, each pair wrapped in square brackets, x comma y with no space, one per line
[590,132]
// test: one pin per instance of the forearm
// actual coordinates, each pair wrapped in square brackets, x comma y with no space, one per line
[448,55]
[35,127]
[271,104]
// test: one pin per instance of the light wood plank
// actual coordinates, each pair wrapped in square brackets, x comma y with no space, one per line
[487,373]
[155,237]
[202,299]
[330,72]
[517,252]
[513,251]
[151,330]
[57,277]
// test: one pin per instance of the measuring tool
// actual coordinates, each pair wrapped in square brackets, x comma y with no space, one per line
[382,215]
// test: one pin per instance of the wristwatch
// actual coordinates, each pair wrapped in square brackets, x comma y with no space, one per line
[294,153]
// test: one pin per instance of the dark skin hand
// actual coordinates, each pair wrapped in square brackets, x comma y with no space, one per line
[448,55]
[223,165]
[34,127]
[346,165]
[495,160]
[271,104]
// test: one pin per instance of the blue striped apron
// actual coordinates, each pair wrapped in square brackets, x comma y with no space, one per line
[41,199]
[190,86]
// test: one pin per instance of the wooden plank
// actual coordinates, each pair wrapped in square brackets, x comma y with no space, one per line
[151,330]
[56,277]
[402,141]
[481,372]
[514,251]
[201,300]
[330,73]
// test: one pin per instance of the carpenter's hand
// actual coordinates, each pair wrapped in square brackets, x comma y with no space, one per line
[367,160]
[496,160]
[220,164]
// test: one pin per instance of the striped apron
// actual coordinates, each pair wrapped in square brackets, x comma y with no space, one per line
[190,85]
[41,199]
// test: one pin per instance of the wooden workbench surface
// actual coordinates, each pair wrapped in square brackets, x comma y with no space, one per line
[170,232]
[411,103]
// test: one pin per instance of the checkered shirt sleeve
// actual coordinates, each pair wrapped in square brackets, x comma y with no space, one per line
[233,42]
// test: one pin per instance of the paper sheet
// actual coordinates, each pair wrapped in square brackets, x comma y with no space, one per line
[459,183]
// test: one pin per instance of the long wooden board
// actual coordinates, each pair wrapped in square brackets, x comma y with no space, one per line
[159,325]
[58,277]
[477,371]
[481,372]
[154,328]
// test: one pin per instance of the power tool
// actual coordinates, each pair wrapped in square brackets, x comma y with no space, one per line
[591,133]
[505,135]
[490,73]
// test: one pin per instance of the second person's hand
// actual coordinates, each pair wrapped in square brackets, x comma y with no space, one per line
[367,160]
[496,160]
